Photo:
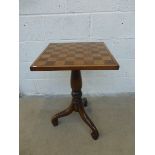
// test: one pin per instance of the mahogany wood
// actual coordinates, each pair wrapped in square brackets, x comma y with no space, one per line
[77,104]
[76,57]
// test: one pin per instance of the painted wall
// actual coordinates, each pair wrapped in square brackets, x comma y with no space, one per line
[44,21]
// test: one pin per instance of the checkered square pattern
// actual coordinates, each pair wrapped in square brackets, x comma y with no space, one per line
[72,56]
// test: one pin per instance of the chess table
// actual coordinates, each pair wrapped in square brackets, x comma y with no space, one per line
[76,57]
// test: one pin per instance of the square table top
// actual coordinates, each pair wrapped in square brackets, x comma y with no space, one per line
[75,56]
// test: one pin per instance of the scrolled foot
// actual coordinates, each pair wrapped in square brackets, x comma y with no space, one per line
[95,135]
[63,113]
[54,121]
[85,102]
[88,121]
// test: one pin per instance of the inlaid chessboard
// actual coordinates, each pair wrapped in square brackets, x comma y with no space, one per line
[75,56]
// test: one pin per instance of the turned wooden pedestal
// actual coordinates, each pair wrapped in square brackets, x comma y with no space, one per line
[77,104]
[75,57]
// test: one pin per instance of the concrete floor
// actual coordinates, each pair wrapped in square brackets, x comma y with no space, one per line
[112,115]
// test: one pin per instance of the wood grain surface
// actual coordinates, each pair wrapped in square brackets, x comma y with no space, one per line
[75,56]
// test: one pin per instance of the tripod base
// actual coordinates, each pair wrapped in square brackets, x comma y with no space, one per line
[77,105]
